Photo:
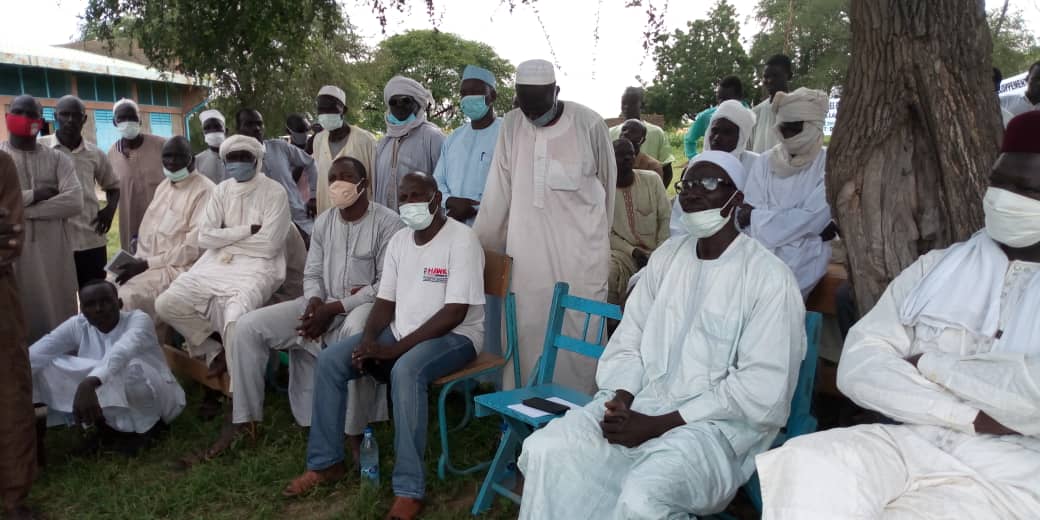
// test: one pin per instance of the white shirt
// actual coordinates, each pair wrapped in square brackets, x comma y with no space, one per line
[1018,104]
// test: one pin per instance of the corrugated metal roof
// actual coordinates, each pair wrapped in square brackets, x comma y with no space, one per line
[62,58]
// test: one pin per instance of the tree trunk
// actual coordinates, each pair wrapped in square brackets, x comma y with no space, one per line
[918,130]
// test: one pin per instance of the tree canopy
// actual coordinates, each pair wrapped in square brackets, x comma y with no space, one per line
[1015,45]
[815,34]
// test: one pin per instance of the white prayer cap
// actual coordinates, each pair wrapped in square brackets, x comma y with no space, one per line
[126,101]
[723,160]
[804,104]
[535,72]
[206,115]
[241,143]
[334,91]
[402,86]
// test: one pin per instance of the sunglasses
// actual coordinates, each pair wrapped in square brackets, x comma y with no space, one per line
[708,183]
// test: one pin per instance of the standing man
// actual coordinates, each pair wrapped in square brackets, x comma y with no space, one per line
[634,131]
[86,230]
[298,128]
[656,144]
[1028,100]
[467,153]
[411,143]
[548,203]
[46,272]
[729,88]
[137,161]
[214,131]
[776,74]
[17,426]
[337,139]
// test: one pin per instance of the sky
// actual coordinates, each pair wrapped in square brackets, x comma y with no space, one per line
[590,72]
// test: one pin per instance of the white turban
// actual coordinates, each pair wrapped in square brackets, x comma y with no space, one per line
[733,111]
[125,101]
[242,143]
[792,155]
[727,162]
[402,86]
[335,92]
[206,115]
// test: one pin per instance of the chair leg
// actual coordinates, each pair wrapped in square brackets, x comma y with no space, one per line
[754,492]
[467,394]
[503,457]
[442,420]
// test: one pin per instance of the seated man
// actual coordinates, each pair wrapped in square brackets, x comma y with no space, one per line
[340,284]
[635,131]
[427,322]
[243,231]
[640,220]
[786,206]
[104,367]
[951,352]
[694,383]
[167,243]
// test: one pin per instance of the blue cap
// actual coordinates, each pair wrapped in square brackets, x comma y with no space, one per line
[475,72]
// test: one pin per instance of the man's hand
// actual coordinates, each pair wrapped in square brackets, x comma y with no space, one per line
[312,208]
[131,270]
[744,215]
[103,221]
[621,425]
[315,323]
[369,351]
[8,232]
[986,424]
[254,229]
[42,194]
[85,407]
[641,257]
[461,209]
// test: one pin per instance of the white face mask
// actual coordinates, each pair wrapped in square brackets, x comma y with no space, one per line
[330,122]
[416,215]
[214,139]
[129,129]
[703,224]
[1011,219]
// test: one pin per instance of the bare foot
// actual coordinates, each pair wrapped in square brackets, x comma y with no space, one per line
[311,479]
[405,509]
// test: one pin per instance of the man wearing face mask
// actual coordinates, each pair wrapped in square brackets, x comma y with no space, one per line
[950,351]
[51,194]
[466,154]
[87,230]
[137,161]
[168,244]
[337,139]
[243,231]
[411,142]
[548,203]
[214,131]
[340,284]
[696,380]
[427,322]
[299,130]
[786,199]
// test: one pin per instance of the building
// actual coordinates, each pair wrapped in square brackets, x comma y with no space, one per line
[48,73]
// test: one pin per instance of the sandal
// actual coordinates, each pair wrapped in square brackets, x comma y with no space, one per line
[405,508]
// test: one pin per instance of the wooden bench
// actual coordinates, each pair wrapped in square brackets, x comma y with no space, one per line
[822,298]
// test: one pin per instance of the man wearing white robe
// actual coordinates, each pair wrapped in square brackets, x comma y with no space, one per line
[950,351]
[696,380]
[1027,101]
[776,74]
[243,231]
[109,359]
[549,204]
[786,205]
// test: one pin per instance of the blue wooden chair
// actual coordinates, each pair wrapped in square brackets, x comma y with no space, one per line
[519,425]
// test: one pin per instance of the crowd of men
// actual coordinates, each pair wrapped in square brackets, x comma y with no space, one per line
[362,258]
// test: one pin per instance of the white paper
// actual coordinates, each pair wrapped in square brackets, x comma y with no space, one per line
[118,262]
[536,413]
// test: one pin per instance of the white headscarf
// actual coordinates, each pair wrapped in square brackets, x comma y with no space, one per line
[727,162]
[733,111]
[125,101]
[402,86]
[206,115]
[792,155]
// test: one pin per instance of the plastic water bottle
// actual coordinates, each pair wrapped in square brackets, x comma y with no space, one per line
[369,458]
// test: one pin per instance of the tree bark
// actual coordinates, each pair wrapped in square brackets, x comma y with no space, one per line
[917,132]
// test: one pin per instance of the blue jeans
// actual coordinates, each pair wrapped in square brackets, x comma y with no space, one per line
[410,379]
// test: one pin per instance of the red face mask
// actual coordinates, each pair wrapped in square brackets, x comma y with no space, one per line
[23,126]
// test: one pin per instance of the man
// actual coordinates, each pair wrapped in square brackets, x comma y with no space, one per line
[728,131]
[411,142]
[337,139]
[634,131]
[51,194]
[656,144]
[87,230]
[729,88]
[466,154]
[17,427]
[1028,100]
[104,368]
[695,381]
[340,284]
[137,161]
[243,231]
[950,352]
[427,322]
[169,234]
[214,131]
[776,75]
[786,205]
[640,220]
[548,203]
[299,131]
[280,158]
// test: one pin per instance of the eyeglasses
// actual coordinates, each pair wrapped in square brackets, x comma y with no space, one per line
[402,101]
[708,183]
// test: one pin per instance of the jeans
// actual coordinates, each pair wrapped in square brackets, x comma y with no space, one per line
[410,379]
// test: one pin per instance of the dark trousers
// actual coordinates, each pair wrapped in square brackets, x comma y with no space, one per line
[90,264]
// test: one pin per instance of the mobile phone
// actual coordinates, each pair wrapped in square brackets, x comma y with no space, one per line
[546,406]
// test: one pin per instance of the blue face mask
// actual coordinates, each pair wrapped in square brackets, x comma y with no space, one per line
[474,107]
[240,171]
[398,122]
[548,116]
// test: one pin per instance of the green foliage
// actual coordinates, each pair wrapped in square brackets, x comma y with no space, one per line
[1015,46]
[814,33]
[690,63]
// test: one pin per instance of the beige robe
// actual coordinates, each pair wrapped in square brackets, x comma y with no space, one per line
[92,169]
[641,216]
[361,145]
[140,173]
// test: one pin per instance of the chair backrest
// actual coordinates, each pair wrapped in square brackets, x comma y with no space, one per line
[801,420]
[498,276]
[555,338]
